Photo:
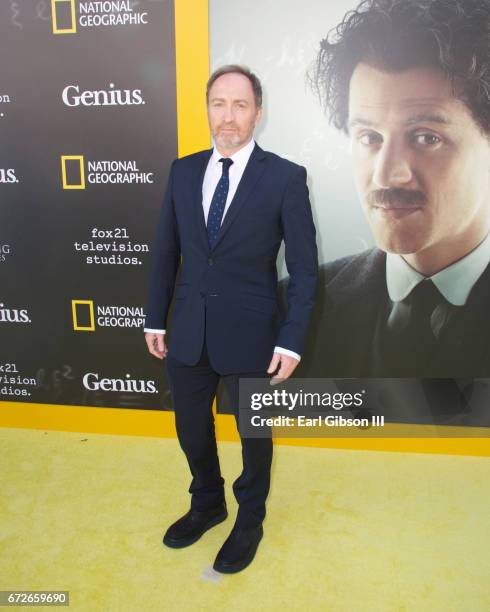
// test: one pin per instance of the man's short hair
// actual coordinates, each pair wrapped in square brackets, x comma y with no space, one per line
[395,35]
[237,69]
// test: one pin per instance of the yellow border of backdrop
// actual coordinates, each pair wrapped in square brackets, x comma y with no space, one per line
[192,71]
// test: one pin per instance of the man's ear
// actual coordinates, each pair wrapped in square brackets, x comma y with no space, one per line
[259,116]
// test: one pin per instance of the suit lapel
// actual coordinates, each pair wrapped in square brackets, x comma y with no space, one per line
[198,179]
[251,175]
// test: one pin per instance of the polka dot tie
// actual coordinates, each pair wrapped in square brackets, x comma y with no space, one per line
[218,203]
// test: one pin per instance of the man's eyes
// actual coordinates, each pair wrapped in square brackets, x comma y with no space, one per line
[370,138]
[426,139]
[220,103]
[422,139]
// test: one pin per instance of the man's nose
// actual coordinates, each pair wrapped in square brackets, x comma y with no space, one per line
[392,166]
[228,114]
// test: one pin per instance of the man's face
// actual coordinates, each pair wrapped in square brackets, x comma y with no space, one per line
[232,112]
[422,165]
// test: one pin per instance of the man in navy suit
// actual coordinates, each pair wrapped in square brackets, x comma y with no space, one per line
[224,216]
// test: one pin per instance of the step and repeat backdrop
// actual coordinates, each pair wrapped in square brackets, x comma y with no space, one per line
[88,130]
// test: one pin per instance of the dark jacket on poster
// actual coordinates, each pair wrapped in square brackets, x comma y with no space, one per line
[352,290]
[342,343]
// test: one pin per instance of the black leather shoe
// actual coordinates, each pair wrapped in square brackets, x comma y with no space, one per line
[238,550]
[189,528]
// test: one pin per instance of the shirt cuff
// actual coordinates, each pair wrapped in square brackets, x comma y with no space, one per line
[284,351]
[154,331]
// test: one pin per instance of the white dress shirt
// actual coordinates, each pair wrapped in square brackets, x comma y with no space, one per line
[214,171]
[454,282]
[212,176]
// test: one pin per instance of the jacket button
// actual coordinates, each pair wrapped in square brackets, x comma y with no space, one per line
[210,261]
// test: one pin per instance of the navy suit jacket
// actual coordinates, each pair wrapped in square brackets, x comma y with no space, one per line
[227,296]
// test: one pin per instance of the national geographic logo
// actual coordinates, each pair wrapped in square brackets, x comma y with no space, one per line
[74,169]
[90,14]
[13,315]
[4,252]
[72,96]
[87,316]
[7,175]
[83,315]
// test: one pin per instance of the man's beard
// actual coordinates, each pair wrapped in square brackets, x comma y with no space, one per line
[227,142]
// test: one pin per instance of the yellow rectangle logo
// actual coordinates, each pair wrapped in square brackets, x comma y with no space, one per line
[75,306]
[66,184]
[62,5]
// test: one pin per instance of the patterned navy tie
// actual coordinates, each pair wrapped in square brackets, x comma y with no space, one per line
[218,203]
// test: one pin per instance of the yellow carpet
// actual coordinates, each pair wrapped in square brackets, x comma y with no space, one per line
[346,530]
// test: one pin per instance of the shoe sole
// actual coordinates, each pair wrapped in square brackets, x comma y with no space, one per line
[233,569]
[183,542]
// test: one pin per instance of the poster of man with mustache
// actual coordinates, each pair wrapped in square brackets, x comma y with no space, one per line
[408,82]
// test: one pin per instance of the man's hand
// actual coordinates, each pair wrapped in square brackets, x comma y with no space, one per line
[286,365]
[156,344]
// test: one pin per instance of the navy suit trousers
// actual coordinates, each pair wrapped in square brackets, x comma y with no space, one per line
[193,390]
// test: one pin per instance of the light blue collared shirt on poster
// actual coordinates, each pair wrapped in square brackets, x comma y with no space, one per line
[454,282]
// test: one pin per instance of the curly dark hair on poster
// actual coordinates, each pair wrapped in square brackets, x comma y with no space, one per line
[450,35]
